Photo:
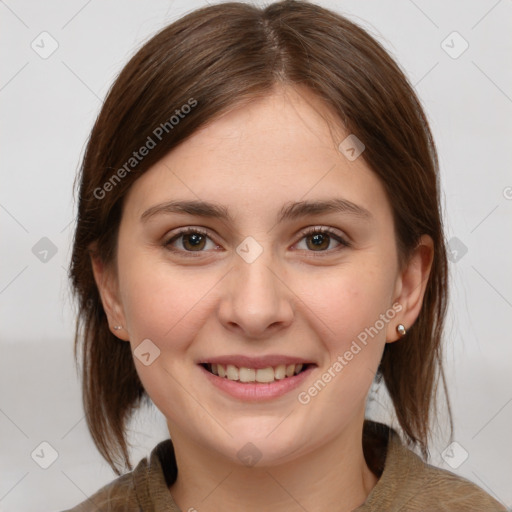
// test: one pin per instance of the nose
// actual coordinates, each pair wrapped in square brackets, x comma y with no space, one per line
[256,299]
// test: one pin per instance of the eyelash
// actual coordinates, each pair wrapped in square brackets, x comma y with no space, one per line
[307,232]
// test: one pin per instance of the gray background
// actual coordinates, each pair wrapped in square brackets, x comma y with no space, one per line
[48,107]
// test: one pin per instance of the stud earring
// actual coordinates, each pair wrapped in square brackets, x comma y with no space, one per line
[118,327]
[401,330]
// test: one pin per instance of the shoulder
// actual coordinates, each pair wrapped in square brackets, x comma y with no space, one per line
[117,495]
[409,484]
[144,488]
[130,492]
[450,492]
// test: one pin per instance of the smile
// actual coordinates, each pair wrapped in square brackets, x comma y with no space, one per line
[256,378]
[260,375]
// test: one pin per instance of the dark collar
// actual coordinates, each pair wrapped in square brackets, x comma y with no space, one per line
[375,442]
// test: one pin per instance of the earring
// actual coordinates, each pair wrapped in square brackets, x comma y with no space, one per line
[118,327]
[401,330]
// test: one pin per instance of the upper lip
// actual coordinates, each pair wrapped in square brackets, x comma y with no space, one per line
[255,362]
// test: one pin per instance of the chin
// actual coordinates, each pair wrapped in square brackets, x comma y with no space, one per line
[261,446]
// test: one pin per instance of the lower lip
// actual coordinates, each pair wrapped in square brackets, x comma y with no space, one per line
[255,391]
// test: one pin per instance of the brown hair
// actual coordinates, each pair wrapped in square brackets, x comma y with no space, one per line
[221,56]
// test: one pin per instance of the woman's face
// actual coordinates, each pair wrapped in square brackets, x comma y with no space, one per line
[253,294]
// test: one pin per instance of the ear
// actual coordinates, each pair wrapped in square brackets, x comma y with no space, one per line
[411,285]
[107,284]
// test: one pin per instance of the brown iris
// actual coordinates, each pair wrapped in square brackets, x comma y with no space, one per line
[318,239]
[193,241]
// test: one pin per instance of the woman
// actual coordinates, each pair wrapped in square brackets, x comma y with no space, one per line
[259,238]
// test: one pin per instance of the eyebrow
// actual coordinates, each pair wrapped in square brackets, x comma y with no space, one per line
[289,211]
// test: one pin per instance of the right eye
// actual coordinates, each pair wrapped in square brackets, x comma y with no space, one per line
[192,240]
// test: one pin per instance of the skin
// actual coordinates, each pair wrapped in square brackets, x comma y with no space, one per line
[294,299]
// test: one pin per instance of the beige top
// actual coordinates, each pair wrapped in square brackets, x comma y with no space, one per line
[406,483]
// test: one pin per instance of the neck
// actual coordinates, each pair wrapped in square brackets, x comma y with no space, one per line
[332,477]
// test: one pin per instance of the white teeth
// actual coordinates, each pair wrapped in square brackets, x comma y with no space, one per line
[280,372]
[265,374]
[247,374]
[262,375]
[231,372]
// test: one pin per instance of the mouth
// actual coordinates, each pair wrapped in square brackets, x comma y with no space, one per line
[265,375]
[256,378]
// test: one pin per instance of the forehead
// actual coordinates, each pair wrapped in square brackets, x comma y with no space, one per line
[277,149]
[291,124]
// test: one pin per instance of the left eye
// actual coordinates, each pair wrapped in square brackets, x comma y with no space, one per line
[195,240]
[321,239]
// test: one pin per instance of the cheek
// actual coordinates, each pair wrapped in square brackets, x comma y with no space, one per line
[166,306]
[159,300]
[347,302]
[349,312]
